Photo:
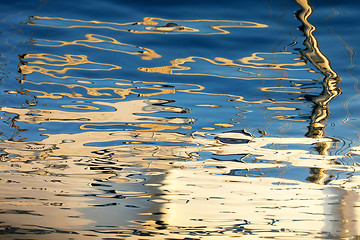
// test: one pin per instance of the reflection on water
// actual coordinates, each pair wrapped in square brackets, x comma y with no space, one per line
[103,138]
[100,42]
[146,26]
[313,53]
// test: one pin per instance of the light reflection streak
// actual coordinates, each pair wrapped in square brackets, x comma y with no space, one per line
[142,126]
[96,41]
[124,92]
[283,89]
[91,92]
[168,25]
[65,61]
[177,67]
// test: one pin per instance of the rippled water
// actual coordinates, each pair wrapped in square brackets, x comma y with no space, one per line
[189,120]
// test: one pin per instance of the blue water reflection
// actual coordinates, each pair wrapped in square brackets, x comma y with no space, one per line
[191,120]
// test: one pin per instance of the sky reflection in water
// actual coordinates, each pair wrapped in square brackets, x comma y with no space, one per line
[139,121]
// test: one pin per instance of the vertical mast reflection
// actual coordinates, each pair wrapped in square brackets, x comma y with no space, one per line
[321,62]
[320,112]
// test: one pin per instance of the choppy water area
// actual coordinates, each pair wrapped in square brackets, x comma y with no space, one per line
[192,120]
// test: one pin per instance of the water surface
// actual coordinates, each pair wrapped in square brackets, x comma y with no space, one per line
[191,120]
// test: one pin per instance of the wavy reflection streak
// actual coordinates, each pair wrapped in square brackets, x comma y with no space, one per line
[145,53]
[65,61]
[168,25]
[245,69]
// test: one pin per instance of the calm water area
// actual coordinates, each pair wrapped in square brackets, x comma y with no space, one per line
[179,120]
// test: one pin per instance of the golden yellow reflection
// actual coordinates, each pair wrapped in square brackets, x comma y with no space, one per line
[157,89]
[45,63]
[282,89]
[207,105]
[95,41]
[48,64]
[112,93]
[245,67]
[166,26]
[256,60]
[62,62]
[224,125]
[95,91]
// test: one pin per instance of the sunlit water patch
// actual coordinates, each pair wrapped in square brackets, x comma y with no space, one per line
[166,124]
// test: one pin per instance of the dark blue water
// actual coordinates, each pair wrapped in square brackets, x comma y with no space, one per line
[189,120]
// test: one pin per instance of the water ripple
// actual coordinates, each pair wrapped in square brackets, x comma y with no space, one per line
[162,128]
